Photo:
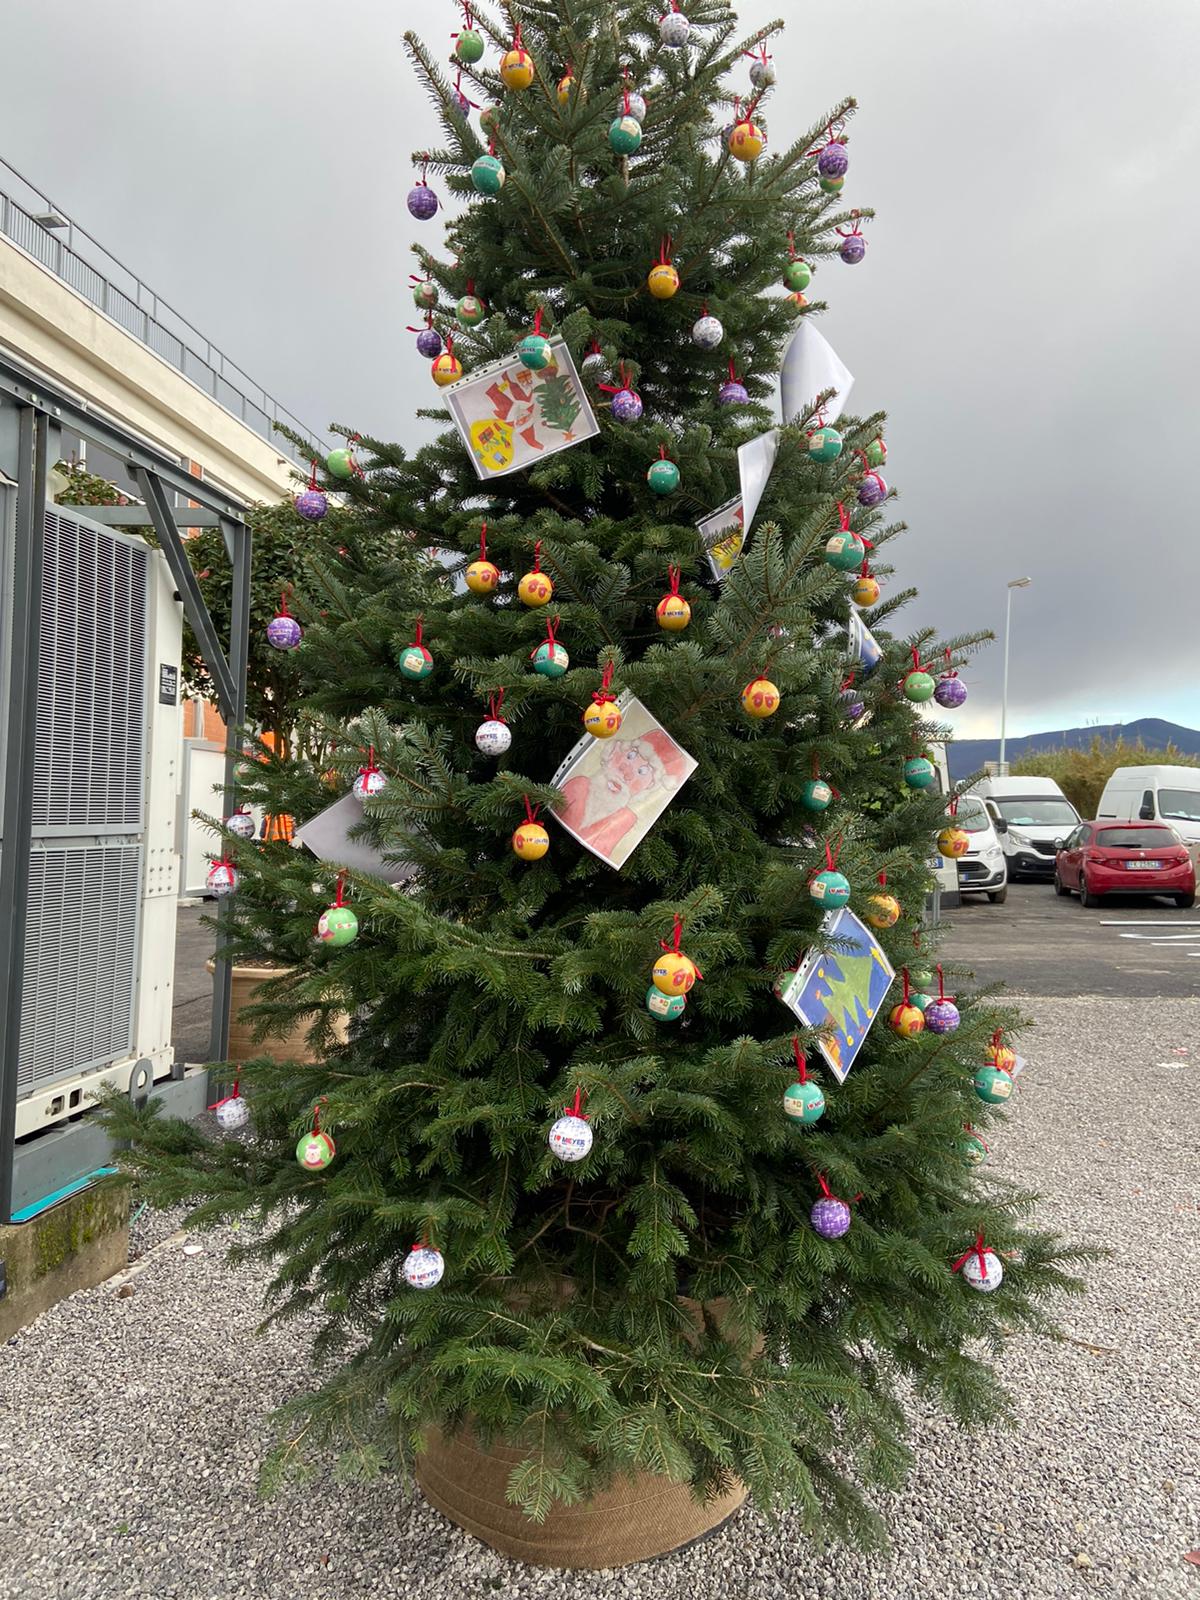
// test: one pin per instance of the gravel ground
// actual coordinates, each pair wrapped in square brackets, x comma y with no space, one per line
[133,1425]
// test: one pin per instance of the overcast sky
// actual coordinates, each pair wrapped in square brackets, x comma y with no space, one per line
[1026,311]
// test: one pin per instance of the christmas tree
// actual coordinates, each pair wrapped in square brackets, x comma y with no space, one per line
[697,1271]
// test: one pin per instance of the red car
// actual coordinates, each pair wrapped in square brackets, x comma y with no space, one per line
[1102,858]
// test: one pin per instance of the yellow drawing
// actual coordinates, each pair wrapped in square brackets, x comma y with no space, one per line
[492,442]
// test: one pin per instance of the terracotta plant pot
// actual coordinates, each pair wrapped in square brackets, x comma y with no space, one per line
[290,1046]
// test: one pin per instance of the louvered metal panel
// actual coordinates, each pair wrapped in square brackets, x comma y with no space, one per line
[80,957]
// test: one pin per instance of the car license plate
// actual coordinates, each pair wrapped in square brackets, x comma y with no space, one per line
[1143,866]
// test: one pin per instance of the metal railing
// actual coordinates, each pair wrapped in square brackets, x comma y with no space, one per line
[72,255]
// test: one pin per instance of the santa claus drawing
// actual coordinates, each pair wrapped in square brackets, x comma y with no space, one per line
[621,787]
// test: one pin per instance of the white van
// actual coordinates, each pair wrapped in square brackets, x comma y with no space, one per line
[1029,814]
[1155,794]
[983,870]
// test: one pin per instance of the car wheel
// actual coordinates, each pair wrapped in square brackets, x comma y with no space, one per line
[1087,899]
[1058,886]
[998,896]
[1185,902]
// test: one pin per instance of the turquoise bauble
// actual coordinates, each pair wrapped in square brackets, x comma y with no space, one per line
[666,1007]
[663,477]
[830,888]
[973,1149]
[624,135]
[919,773]
[551,660]
[816,795]
[920,1000]
[488,174]
[825,444]
[993,1085]
[844,551]
[803,1102]
[534,352]
[415,661]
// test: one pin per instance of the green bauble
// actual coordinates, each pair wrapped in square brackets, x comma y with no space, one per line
[876,453]
[825,444]
[425,295]
[624,135]
[469,47]
[470,311]
[919,773]
[993,1085]
[534,351]
[919,686]
[797,275]
[551,660]
[804,1102]
[338,926]
[832,185]
[415,661]
[666,1007]
[919,999]
[920,977]
[844,551]
[816,795]
[488,174]
[339,464]
[974,1151]
[663,477]
[315,1151]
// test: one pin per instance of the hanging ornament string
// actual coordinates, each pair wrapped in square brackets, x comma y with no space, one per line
[458,89]
[603,695]
[428,324]
[941,982]
[537,320]
[341,885]
[801,1060]
[834,133]
[365,772]
[623,380]
[673,945]
[537,556]
[828,1194]
[483,555]
[975,1134]
[950,672]
[734,377]
[283,605]
[904,975]
[850,233]
[978,1251]
[233,1094]
[576,1107]
[495,703]
[757,55]
[848,683]
[665,250]
[551,635]
[882,880]
[865,570]
[952,808]
[594,348]
[316,1121]
[355,438]
[997,1043]
[531,812]
[791,239]
[420,631]
[673,575]
[312,484]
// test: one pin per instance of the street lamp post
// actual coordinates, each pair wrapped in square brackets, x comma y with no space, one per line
[1015,583]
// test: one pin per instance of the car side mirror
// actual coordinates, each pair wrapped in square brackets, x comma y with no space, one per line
[1146,813]
[1000,825]
[1060,844]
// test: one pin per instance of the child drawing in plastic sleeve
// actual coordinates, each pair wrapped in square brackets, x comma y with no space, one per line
[629,783]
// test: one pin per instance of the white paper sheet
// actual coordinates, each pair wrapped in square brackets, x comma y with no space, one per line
[811,365]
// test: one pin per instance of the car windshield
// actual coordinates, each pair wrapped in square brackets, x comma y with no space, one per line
[971,816]
[1135,839]
[1035,813]
[1182,804]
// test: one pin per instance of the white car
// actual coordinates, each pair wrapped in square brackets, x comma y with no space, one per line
[983,869]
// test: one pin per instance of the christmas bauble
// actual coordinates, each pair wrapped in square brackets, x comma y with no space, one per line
[921,1001]
[919,773]
[534,589]
[950,692]
[470,311]
[489,119]
[415,661]
[984,1275]
[283,632]
[565,85]
[919,686]
[340,463]
[830,1217]
[673,29]
[516,69]
[663,477]
[804,1102]
[853,249]
[782,981]
[602,719]
[760,698]
[462,104]
[973,1149]
[534,352]
[825,444]
[865,591]
[338,926]
[883,910]
[429,343]
[816,795]
[872,491]
[241,823]
[762,73]
[832,185]
[746,141]
[830,889]
[666,1007]
[733,393]
[626,405]
[673,613]
[797,275]
[663,280]
[941,1016]
[906,1019]
[447,369]
[999,1055]
[624,135]
[921,976]
[550,660]
[876,453]
[570,1138]
[852,705]
[530,841]
[674,973]
[482,577]
[232,1113]
[707,332]
[311,504]
[468,47]
[844,551]
[425,297]
[953,842]
[594,365]
[423,1267]
[833,162]
[993,1085]
[315,1150]
[636,108]
[493,738]
[370,782]
[488,174]
[422,202]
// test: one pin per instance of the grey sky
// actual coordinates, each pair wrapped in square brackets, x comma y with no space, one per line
[1023,311]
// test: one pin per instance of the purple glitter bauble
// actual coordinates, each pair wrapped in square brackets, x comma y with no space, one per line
[626,405]
[429,343]
[872,491]
[854,248]
[283,632]
[830,1218]
[733,393]
[950,692]
[833,162]
[941,1016]
[422,202]
[312,505]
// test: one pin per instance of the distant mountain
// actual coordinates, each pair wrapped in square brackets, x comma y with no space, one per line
[965,756]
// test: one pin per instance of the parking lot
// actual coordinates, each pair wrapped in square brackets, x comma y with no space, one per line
[1038,943]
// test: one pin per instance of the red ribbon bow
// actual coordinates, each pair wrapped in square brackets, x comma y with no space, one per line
[604,693]
[312,484]
[370,767]
[576,1109]
[226,1098]
[624,381]
[978,1250]
[551,635]
[531,812]
[664,250]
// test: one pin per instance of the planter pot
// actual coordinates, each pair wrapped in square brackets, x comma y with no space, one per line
[290,1046]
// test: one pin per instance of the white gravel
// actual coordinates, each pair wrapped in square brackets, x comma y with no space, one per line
[133,1426]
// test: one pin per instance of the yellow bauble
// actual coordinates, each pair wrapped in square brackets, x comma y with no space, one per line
[446,369]
[953,842]
[663,281]
[602,720]
[1000,1057]
[865,592]
[674,973]
[516,70]
[906,1020]
[534,589]
[673,613]
[884,912]
[531,841]
[746,141]
[760,698]
[565,85]
[482,577]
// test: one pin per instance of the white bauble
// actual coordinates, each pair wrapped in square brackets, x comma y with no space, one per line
[493,738]
[595,366]
[570,1138]
[673,30]
[708,332]
[241,823]
[986,1275]
[370,782]
[423,1267]
[233,1113]
[637,106]
[762,73]
[222,879]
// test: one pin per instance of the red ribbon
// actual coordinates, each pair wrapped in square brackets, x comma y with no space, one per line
[226,1098]
[551,635]
[283,610]
[576,1109]
[941,984]
[370,767]
[537,556]
[865,569]
[883,880]
[316,1123]
[733,376]
[977,1249]
[664,249]
[531,812]
[673,947]
[624,383]
[459,88]
[312,484]
[801,1063]
[975,1134]
[848,683]
[604,693]
[843,519]
[833,135]
[420,632]
[337,899]
[495,702]
[483,555]
[849,233]
[904,975]
[673,579]
[949,672]
[594,348]
[537,320]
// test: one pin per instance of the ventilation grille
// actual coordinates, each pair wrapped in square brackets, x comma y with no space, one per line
[91,680]
[80,944]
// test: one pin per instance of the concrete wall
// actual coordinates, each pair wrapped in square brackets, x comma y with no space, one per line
[76,1244]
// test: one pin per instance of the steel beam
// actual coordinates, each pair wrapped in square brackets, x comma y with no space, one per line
[135,516]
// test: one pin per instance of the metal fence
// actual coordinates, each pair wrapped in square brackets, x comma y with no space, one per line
[29,219]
